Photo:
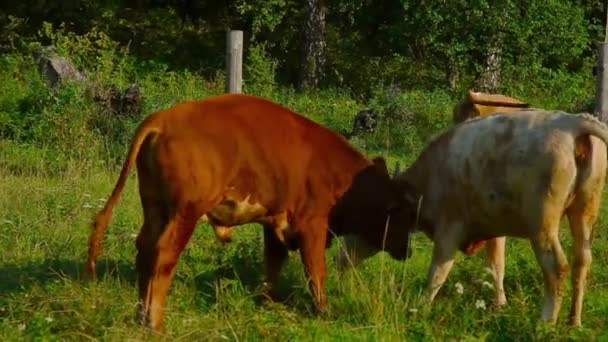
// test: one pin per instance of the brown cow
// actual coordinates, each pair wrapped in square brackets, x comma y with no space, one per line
[234,159]
[477,104]
[510,174]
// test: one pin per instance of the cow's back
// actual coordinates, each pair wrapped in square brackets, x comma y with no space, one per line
[476,104]
[492,166]
[251,149]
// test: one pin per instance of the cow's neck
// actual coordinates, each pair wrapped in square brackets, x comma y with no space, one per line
[423,172]
[420,176]
[417,177]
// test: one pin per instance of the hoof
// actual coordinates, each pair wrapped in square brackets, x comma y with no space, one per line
[574,322]
[223,234]
[89,271]
[322,312]
[267,293]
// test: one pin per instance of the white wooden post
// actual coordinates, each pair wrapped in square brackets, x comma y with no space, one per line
[234,61]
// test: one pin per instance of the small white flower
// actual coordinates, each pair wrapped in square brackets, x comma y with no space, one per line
[133,236]
[480,304]
[459,288]
[87,195]
[488,284]
[413,310]
[86,205]
[49,319]
[21,327]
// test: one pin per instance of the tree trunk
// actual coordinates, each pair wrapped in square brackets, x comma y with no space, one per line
[452,74]
[490,77]
[313,51]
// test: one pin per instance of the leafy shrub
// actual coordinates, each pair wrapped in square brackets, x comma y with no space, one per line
[67,119]
[105,60]
[259,71]
[32,112]
[18,81]
[552,89]
[409,119]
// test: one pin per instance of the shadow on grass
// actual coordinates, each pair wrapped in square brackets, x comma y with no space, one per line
[21,277]
[247,272]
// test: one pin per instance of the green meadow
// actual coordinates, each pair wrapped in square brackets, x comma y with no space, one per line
[44,226]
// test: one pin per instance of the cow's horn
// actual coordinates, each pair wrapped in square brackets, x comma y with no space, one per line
[397,169]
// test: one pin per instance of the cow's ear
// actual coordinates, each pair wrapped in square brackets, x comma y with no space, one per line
[409,194]
[410,198]
[397,169]
[380,164]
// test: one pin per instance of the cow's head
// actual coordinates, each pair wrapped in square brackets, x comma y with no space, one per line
[374,215]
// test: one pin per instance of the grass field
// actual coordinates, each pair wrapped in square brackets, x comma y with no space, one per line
[44,226]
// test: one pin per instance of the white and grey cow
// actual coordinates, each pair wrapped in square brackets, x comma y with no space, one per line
[508,174]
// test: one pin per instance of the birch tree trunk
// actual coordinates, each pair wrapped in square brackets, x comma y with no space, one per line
[313,50]
[490,77]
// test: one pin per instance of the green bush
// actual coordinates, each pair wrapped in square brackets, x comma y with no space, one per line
[259,71]
[552,89]
[409,119]
[70,120]
[105,60]
[31,112]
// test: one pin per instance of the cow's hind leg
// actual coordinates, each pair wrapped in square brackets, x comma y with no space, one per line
[581,216]
[275,254]
[159,247]
[554,264]
[155,218]
[495,253]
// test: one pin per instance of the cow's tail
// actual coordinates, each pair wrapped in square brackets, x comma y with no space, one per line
[150,125]
[589,124]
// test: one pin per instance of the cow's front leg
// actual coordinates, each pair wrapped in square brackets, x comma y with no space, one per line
[445,246]
[275,254]
[313,236]
[495,256]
